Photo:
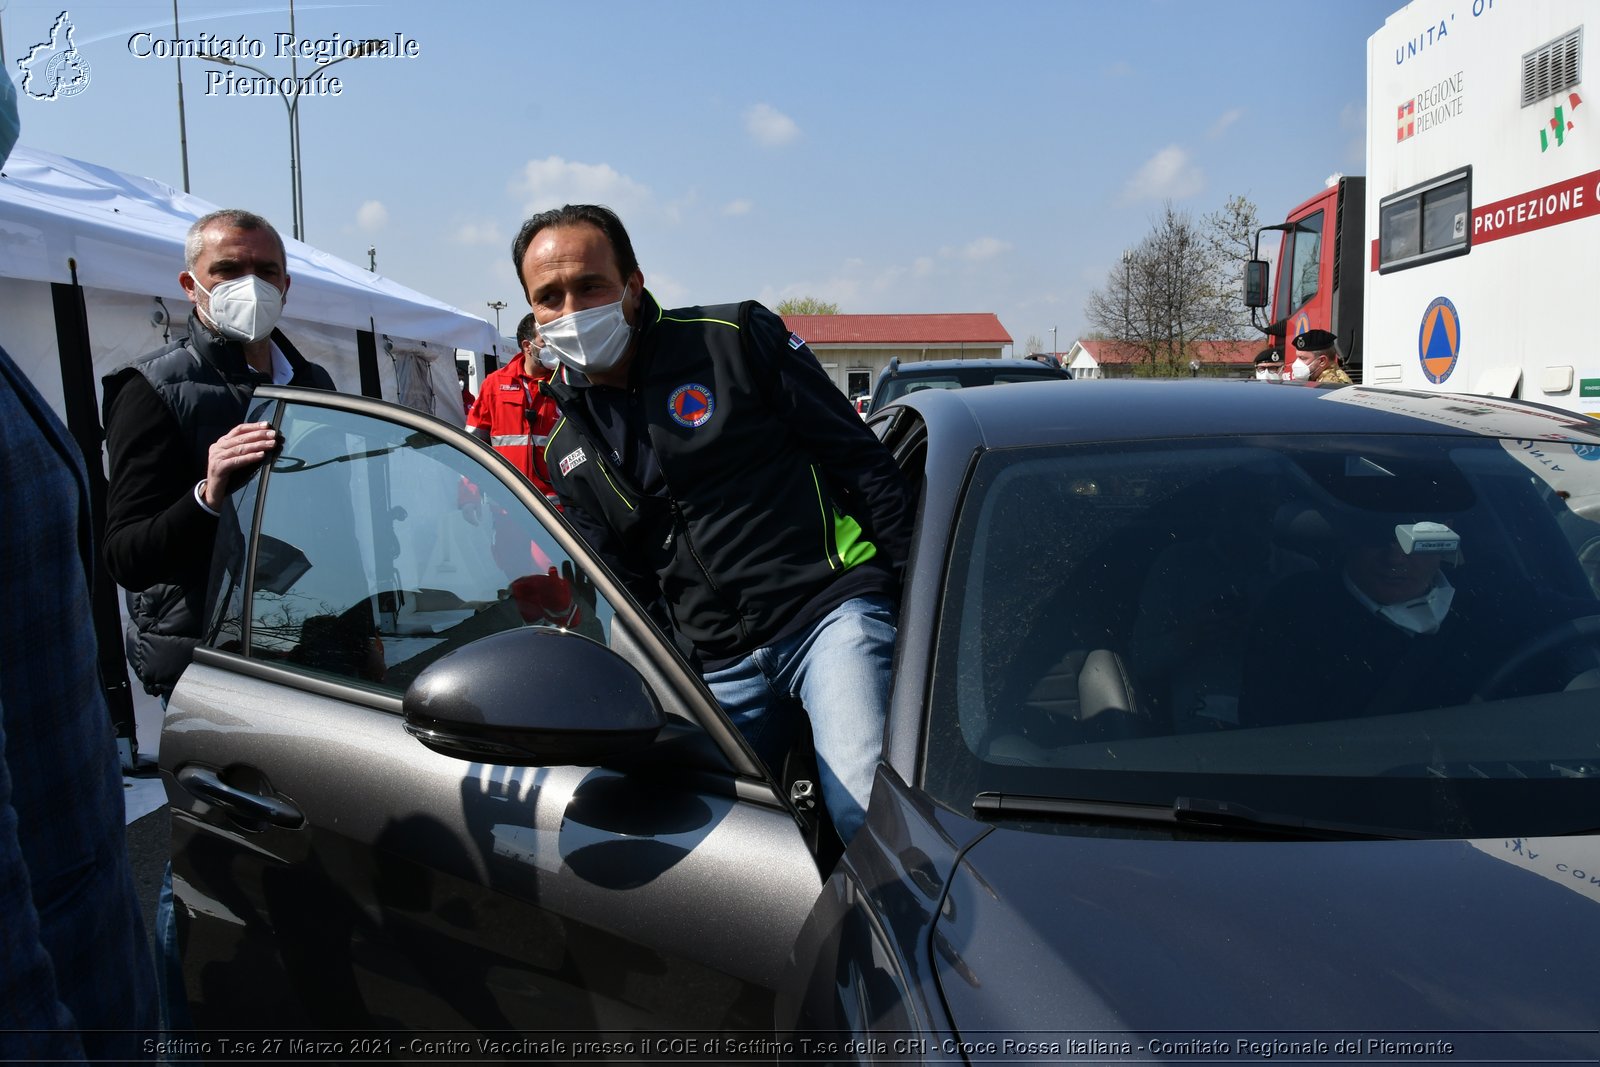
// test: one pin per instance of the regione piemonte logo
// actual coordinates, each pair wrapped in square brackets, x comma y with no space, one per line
[54,69]
[1406,120]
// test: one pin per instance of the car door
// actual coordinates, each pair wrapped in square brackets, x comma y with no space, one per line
[331,870]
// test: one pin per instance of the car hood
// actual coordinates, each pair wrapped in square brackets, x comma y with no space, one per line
[1054,934]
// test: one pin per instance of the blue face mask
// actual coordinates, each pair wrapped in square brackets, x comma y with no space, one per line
[10,121]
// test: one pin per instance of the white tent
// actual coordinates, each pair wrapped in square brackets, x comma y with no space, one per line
[120,238]
[124,237]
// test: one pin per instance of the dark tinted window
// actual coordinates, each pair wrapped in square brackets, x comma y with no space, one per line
[1426,223]
[1333,627]
[382,547]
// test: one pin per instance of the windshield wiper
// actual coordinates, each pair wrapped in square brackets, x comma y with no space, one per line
[1187,812]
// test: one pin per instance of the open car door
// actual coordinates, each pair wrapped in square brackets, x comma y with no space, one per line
[433,769]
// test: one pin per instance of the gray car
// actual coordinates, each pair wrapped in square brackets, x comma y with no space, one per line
[1155,774]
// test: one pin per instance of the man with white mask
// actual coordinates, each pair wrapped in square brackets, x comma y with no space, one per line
[1316,359]
[720,472]
[176,445]
[1384,633]
[176,439]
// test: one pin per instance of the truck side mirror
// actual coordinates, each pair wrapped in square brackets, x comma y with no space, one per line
[1256,284]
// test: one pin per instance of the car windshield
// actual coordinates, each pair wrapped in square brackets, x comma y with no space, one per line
[1386,631]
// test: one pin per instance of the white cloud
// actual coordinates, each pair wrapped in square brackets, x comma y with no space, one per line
[737,207]
[769,126]
[372,216]
[478,233]
[985,248]
[553,181]
[922,266]
[1226,119]
[1168,175]
[668,289]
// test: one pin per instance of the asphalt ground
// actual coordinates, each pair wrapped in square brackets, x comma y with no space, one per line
[148,839]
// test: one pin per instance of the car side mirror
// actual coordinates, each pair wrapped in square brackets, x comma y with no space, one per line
[1256,283]
[532,697]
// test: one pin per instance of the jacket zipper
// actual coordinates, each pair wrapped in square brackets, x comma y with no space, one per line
[682,527]
[829,549]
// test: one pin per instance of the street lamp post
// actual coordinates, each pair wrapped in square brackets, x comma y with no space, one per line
[497,305]
[291,104]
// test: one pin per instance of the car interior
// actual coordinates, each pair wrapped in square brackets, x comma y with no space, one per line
[1129,595]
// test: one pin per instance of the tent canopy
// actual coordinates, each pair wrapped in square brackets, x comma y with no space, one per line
[126,235]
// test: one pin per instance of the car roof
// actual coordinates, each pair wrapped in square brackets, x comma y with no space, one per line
[952,364]
[1044,412]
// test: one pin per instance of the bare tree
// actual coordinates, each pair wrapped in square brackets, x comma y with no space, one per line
[1177,286]
[1229,235]
[1033,344]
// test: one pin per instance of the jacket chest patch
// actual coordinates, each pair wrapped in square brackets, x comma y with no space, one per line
[571,460]
[691,406]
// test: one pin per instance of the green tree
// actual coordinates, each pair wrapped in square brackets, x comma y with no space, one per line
[806,305]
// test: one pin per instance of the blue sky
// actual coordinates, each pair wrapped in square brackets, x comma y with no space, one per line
[888,156]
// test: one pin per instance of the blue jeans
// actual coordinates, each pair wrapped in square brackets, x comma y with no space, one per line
[838,669]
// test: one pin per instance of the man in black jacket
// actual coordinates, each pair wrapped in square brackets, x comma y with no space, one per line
[713,464]
[177,443]
[176,437]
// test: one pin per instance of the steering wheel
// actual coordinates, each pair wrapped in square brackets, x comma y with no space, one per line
[1583,631]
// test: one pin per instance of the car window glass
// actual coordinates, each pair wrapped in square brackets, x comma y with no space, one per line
[381,548]
[1307,261]
[1411,608]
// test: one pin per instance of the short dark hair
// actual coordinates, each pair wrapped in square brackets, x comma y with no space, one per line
[233,218]
[600,217]
[527,329]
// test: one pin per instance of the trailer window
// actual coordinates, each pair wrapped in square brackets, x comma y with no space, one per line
[1426,222]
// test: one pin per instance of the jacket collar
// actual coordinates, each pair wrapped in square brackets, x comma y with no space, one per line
[223,353]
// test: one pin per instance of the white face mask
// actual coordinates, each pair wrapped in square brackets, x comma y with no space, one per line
[245,308]
[1269,375]
[1300,370]
[1425,614]
[591,341]
[546,357]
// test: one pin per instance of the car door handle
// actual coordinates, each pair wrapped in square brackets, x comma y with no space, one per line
[205,783]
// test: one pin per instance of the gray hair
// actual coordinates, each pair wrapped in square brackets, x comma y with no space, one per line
[235,218]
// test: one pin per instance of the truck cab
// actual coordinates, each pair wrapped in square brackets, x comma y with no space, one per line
[1317,281]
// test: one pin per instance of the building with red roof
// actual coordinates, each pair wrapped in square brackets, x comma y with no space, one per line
[1092,357]
[854,348]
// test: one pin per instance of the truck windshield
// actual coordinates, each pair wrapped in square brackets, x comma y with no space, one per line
[1301,260]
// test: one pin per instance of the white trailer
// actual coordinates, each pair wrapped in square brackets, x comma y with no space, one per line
[1483,202]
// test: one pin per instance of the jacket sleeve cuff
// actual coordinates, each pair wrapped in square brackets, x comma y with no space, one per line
[199,498]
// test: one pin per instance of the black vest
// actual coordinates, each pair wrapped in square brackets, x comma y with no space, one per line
[207,384]
[748,530]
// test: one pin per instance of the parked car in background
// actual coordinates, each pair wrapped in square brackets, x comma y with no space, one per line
[898,379]
[1118,804]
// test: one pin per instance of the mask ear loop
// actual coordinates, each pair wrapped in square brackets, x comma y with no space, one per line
[204,313]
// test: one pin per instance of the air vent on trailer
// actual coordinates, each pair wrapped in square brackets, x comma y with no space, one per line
[1553,67]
